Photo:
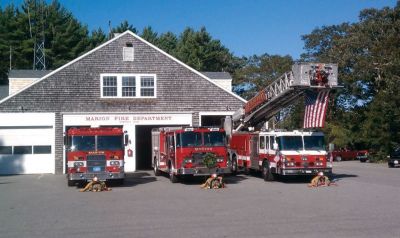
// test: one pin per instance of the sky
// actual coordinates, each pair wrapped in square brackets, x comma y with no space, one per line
[245,27]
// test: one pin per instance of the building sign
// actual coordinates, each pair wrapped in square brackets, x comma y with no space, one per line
[126,119]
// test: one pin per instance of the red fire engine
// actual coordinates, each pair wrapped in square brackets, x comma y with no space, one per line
[279,152]
[94,152]
[181,151]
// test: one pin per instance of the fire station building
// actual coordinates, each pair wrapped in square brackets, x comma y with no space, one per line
[126,82]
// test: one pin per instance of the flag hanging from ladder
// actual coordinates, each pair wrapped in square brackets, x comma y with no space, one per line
[316,104]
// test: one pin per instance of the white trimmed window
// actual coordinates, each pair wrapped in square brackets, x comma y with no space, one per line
[128,85]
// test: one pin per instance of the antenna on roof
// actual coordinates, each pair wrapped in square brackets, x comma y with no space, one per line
[39,59]
[109,29]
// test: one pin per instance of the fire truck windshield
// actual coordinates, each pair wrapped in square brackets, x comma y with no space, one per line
[290,142]
[214,138]
[109,143]
[188,139]
[314,143]
[83,143]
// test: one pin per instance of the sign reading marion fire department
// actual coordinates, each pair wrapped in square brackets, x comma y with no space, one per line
[143,119]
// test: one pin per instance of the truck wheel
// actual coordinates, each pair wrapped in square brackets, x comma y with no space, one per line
[71,183]
[234,167]
[363,160]
[119,182]
[173,177]
[156,171]
[338,158]
[266,172]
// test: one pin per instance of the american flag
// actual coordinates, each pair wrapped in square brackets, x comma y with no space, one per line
[316,105]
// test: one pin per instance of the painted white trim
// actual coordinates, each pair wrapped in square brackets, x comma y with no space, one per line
[218,113]
[138,86]
[108,42]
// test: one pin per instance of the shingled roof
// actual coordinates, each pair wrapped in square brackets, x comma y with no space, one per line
[217,75]
[27,73]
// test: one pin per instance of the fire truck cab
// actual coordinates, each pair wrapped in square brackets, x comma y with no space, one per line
[180,151]
[279,153]
[94,152]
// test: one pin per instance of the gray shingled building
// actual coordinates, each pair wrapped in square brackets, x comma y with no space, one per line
[125,82]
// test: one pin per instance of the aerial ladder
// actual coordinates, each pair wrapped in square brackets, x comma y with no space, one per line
[282,92]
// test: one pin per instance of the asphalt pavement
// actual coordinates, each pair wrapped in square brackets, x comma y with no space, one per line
[364,203]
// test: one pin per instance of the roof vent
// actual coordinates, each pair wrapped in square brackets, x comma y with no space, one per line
[128,52]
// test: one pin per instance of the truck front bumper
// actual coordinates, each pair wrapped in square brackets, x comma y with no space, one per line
[202,171]
[102,176]
[305,171]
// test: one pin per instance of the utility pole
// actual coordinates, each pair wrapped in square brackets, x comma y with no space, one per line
[10,57]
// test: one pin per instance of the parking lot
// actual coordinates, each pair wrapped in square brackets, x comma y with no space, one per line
[363,204]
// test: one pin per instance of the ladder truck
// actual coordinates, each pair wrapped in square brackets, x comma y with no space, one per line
[277,152]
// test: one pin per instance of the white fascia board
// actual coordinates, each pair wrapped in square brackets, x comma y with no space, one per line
[108,42]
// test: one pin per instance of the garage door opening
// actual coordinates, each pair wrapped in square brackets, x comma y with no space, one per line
[143,146]
[213,120]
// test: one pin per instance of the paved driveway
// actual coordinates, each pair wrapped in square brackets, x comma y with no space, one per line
[364,204]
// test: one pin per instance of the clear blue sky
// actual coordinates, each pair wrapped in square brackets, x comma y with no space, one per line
[246,27]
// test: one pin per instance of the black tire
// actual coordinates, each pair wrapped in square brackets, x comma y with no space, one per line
[363,160]
[119,182]
[338,158]
[234,166]
[71,183]
[157,172]
[172,177]
[266,172]
[390,165]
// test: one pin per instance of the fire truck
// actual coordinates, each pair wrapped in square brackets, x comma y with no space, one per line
[252,145]
[94,152]
[181,151]
[279,153]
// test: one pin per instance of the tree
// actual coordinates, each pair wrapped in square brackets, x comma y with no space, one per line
[123,26]
[200,51]
[259,71]
[168,42]
[369,67]
[149,35]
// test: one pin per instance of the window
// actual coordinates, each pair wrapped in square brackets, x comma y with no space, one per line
[146,86]
[128,85]
[21,150]
[262,142]
[5,150]
[110,86]
[42,149]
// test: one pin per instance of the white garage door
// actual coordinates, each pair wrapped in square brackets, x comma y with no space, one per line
[27,143]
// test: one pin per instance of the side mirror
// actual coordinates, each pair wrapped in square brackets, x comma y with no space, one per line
[126,139]
[65,140]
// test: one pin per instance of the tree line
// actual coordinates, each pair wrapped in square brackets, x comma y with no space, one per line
[364,114]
